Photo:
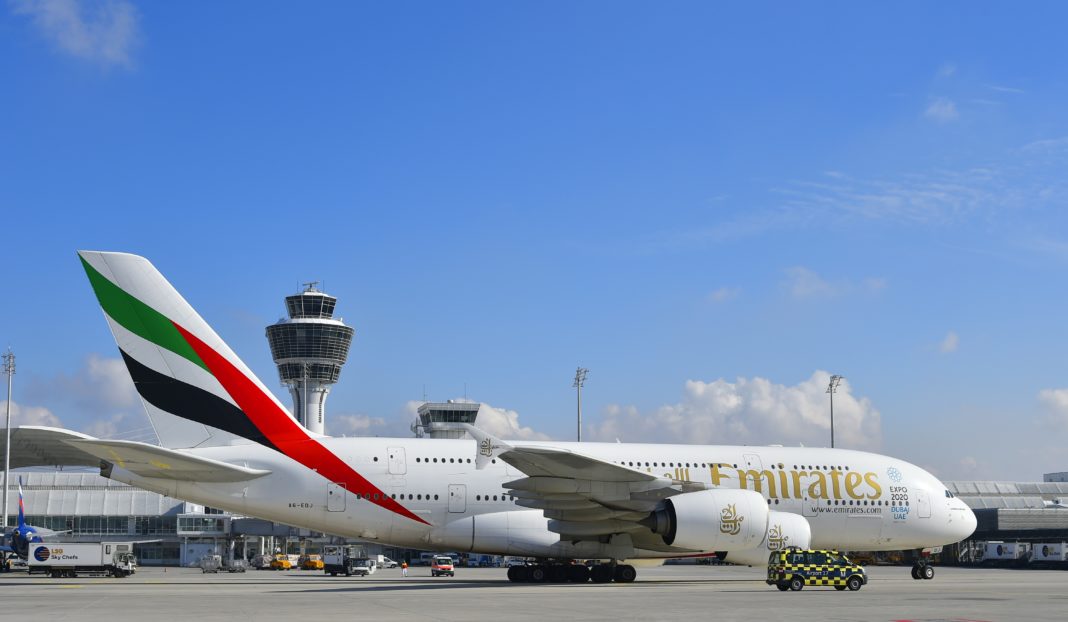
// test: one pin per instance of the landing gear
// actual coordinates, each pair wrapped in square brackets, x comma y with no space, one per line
[923,571]
[572,573]
[602,573]
[625,574]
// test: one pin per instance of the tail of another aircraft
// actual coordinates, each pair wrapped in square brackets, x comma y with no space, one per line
[22,507]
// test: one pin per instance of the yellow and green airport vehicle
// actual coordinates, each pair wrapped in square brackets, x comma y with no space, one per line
[793,569]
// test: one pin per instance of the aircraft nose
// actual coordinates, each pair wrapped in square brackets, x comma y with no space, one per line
[964,521]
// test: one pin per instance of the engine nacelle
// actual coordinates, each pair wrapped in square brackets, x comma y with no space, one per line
[784,530]
[712,520]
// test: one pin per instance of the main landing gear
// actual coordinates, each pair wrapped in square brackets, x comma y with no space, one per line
[922,570]
[572,573]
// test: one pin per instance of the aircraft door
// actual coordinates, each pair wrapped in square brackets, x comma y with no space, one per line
[753,462]
[923,504]
[397,464]
[809,506]
[457,498]
[335,497]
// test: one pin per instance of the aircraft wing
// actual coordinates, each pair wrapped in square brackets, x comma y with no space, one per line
[584,498]
[155,461]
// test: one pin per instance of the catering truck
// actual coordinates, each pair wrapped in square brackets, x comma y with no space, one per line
[70,559]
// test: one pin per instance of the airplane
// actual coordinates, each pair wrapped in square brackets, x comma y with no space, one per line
[226,441]
[19,539]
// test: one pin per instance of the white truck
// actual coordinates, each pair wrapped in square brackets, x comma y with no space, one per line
[70,559]
[347,560]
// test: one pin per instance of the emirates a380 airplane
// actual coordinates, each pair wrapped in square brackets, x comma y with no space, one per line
[229,443]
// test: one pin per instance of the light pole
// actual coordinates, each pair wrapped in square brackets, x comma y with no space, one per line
[9,369]
[580,379]
[832,388]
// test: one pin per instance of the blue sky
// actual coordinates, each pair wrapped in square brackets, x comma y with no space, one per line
[711,206]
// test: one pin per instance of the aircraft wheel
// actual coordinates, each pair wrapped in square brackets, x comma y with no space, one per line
[601,573]
[783,586]
[916,572]
[927,572]
[537,574]
[625,573]
[796,584]
[854,583]
[578,573]
[839,587]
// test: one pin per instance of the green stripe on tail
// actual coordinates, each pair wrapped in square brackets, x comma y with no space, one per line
[139,318]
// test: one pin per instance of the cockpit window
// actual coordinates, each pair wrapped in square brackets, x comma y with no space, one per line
[949,495]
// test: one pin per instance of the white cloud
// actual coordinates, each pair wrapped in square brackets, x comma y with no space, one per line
[105,428]
[947,70]
[29,415]
[942,110]
[722,294]
[102,31]
[1055,402]
[352,425]
[100,387]
[1004,89]
[803,283]
[949,343]
[874,285]
[752,411]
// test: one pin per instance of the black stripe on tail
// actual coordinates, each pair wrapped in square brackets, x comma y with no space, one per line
[189,402]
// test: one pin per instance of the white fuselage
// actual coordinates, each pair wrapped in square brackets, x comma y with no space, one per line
[853,500]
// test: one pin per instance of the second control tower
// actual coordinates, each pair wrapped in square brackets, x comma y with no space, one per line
[309,347]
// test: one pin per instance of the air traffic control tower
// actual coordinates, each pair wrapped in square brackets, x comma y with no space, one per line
[309,347]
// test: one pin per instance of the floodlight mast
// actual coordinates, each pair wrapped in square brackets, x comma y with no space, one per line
[580,380]
[832,388]
[9,369]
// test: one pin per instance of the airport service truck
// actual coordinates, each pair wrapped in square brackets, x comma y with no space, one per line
[347,560]
[70,559]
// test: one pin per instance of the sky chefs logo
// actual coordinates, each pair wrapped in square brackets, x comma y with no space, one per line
[42,553]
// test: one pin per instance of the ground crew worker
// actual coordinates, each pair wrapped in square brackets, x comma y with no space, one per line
[404,569]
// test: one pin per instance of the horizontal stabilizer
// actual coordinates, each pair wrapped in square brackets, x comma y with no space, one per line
[154,461]
[40,446]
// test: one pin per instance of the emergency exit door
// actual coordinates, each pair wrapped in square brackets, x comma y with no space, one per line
[923,504]
[335,497]
[397,464]
[457,498]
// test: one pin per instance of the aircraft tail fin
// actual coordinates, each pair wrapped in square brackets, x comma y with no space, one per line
[22,507]
[180,366]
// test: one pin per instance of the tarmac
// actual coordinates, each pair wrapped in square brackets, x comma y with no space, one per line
[666,593]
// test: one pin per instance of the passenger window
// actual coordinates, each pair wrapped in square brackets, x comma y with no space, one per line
[816,558]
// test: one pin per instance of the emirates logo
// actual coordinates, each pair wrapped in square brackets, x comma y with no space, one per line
[729,521]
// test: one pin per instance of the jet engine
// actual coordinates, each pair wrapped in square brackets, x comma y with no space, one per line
[784,530]
[711,520]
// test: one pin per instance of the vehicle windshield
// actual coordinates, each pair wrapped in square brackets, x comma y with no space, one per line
[443,560]
[838,558]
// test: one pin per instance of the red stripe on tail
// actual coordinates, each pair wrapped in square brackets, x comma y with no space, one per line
[286,434]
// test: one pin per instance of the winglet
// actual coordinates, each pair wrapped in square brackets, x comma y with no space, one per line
[489,447]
